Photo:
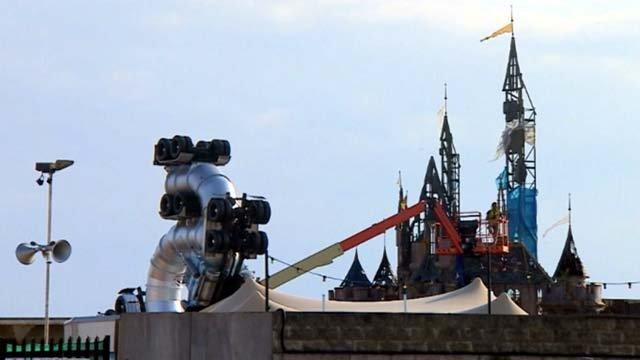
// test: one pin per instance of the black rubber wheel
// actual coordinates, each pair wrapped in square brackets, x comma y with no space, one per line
[260,211]
[219,210]
[220,148]
[181,144]
[263,243]
[120,307]
[177,204]
[192,205]
[166,205]
[163,148]
[175,148]
[218,241]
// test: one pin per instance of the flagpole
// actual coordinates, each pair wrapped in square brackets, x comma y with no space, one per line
[512,35]
[445,98]
[569,209]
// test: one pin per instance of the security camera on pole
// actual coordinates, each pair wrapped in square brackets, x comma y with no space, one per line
[58,250]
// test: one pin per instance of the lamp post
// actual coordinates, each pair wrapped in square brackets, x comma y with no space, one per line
[58,250]
[489,270]
[266,280]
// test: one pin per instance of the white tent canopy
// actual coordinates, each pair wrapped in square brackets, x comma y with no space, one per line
[471,299]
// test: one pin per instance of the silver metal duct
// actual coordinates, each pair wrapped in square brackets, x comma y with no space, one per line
[165,280]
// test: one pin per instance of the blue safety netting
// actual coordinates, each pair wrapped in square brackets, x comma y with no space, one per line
[502,181]
[522,210]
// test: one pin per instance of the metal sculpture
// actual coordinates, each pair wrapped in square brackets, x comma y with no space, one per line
[215,230]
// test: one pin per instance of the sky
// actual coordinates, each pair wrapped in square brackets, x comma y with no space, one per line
[323,103]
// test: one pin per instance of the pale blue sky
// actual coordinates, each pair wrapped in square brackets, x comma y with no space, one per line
[323,103]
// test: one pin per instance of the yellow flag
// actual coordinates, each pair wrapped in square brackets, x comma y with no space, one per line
[503,30]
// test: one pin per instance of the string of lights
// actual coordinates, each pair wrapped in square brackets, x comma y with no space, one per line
[620,283]
[325,277]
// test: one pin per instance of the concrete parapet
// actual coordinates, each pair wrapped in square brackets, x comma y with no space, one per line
[191,336]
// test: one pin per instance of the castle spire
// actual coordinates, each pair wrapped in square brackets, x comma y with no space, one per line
[520,154]
[445,132]
[432,184]
[356,277]
[570,264]
[449,164]
[402,198]
[384,276]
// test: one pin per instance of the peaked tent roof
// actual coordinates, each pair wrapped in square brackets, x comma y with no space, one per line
[384,276]
[469,299]
[356,277]
[570,264]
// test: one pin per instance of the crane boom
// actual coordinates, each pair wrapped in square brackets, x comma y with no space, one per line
[326,256]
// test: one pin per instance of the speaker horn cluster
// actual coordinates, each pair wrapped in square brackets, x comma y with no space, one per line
[60,251]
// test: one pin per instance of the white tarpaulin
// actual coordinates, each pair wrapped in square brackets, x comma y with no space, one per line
[471,299]
[513,136]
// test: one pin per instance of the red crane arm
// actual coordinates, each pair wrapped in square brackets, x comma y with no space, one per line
[326,256]
[449,229]
[379,228]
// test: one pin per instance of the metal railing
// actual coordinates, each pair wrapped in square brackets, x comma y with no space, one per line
[490,235]
[87,349]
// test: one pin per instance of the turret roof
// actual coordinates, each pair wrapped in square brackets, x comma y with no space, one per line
[384,276]
[570,264]
[356,277]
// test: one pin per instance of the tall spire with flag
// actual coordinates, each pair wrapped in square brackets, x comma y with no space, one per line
[519,147]
[503,30]
[520,120]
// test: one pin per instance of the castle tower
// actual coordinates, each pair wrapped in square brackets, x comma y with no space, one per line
[519,145]
[403,238]
[570,293]
[450,165]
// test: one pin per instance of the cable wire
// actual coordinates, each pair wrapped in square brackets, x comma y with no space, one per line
[323,276]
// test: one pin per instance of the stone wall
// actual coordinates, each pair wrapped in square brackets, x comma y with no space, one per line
[468,336]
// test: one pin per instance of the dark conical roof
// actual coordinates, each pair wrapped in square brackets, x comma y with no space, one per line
[384,276]
[513,76]
[570,264]
[445,133]
[432,178]
[356,277]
